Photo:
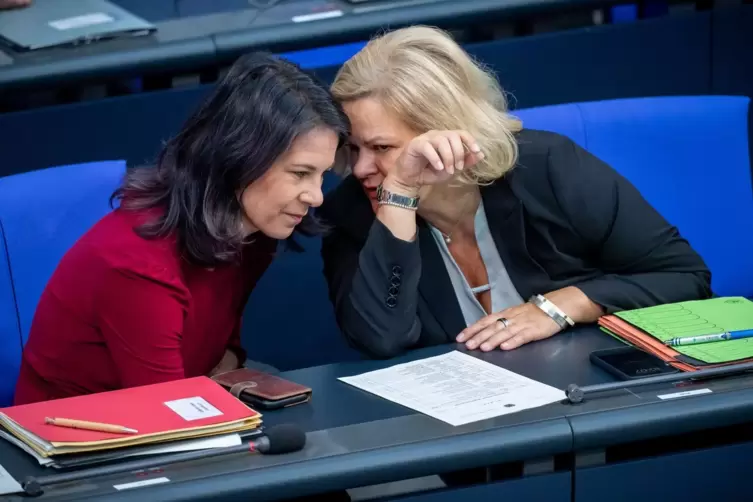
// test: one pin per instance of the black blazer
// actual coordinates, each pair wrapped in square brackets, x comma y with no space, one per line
[561,217]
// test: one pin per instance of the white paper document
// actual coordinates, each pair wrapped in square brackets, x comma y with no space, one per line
[8,484]
[28,449]
[207,443]
[456,388]
[191,445]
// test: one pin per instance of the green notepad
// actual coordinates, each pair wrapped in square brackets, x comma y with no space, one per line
[701,317]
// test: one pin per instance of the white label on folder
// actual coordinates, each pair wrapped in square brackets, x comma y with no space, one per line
[193,408]
[685,393]
[70,23]
[144,482]
[316,16]
[8,484]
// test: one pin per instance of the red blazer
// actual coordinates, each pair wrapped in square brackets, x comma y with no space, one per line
[122,311]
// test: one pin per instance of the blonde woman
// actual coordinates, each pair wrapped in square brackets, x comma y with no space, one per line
[458,224]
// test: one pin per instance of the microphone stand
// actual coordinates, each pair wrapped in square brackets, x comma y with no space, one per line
[576,394]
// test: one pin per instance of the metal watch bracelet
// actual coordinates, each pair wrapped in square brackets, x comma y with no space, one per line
[550,309]
[386,197]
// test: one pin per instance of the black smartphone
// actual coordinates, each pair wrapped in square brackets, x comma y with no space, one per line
[629,363]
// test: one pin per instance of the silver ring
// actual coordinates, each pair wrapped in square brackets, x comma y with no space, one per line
[504,322]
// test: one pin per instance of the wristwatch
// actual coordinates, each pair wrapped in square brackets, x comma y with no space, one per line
[386,197]
[553,311]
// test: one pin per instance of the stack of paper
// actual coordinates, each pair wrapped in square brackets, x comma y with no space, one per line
[650,327]
[107,456]
[182,409]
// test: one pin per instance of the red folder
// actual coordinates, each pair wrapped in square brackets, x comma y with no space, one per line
[178,409]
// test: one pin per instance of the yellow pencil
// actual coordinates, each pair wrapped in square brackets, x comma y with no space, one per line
[89,426]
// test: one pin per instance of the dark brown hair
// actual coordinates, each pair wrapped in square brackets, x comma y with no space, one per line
[249,120]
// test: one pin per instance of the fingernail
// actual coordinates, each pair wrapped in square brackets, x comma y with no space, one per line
[486,346]
[505,345]
[476,148]
[481,155]
[460,166]
[460,338]
[471,345]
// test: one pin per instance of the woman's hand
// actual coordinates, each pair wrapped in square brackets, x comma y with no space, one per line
[525,323]
[229,362]
[434,157]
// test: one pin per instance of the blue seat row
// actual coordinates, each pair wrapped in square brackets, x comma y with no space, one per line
[689,156]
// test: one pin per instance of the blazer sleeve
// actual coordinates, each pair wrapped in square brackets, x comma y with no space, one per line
[141,321]
[374,289]
[644,259]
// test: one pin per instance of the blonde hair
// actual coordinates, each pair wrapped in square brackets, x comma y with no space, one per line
[421,74]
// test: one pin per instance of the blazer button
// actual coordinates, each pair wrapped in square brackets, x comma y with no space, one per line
[395,280]
[391,302]
[397,270]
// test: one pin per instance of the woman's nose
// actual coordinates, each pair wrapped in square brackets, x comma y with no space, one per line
[365,166]
[313,197]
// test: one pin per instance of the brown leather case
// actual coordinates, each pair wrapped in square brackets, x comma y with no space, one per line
[261,385]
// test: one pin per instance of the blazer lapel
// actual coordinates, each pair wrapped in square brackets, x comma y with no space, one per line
[505,215]
[436,288]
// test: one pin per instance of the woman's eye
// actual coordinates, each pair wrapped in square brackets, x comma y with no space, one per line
[381,148]
[300,174]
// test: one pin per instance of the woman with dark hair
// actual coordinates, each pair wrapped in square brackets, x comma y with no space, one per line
[155,290]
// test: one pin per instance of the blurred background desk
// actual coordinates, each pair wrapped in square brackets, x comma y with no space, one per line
[193,34]
[559,452]
[121,99]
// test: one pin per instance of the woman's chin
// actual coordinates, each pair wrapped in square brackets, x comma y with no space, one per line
[279,232]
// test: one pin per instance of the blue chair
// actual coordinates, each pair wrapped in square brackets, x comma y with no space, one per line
[689,156]
[42,214]
[324,57]
[10,332]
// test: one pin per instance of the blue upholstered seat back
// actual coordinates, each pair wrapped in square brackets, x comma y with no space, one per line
[690,158]
[42,214]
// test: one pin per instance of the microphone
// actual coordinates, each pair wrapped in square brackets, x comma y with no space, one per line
[285,438]
[278,439]
[576,394]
